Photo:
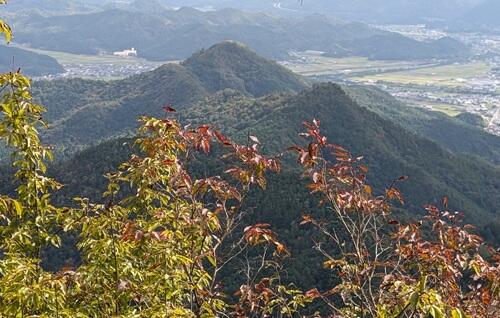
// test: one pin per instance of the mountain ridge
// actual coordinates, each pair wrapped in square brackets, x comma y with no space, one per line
[388,149]
[100,110]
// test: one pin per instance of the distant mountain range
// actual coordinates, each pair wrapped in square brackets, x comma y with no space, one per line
[398,47]
[30,63]
[372,11]
[478,13]
[161,34]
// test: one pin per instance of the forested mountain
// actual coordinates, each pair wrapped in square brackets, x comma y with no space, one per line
[161,34]
[84,112]
[398,47]
[33,64]
[232,65]
[389,150]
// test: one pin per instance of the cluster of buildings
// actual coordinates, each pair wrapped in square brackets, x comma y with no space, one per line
[103,71]
[493,125]
[417,31]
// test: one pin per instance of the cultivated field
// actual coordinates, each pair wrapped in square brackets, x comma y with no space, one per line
[309,65]
[457,75]
[69,58]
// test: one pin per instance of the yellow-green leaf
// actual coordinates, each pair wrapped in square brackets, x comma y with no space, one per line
[457,313]
[18,207]
[6,30]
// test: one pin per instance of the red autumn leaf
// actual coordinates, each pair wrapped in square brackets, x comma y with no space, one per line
[138,235]
[205,146]
[281,249]
[306,219]
[262,225]
[312,149]
[469,227]
[156,235]
[168,162]
[394,193]
[313,293]
[169,109]
[223,139]
[204,130]
[363,169]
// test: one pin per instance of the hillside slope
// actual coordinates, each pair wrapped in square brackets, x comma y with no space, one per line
[30,63]
[398,47]
[471,184]
[389,149]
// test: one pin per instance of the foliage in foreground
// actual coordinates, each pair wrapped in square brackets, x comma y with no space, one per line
[158,243]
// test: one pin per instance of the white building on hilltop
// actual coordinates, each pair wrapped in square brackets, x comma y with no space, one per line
[126,53]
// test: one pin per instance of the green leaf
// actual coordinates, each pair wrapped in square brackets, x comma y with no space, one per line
[436,312]
[212,260]
[422,283]
[18,207]
[414,299]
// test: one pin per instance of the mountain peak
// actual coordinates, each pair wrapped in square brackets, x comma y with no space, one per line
[228,48]
[231,64]
[230,44]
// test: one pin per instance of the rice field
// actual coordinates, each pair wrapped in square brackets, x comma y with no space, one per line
[452,75]
[322,66]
